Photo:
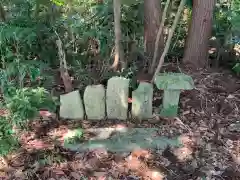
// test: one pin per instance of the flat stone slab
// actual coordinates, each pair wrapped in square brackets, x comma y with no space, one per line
[94,102]
[124,140]
[117,98]
[142,101]
[174,81]
[71,106]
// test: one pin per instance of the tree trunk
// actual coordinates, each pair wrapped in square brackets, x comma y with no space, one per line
[152,14]
[63,67]
[119,56]
[199,33]
[159,35]
[2,13]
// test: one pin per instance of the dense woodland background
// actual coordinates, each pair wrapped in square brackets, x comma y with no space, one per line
[206,35]
[49,47]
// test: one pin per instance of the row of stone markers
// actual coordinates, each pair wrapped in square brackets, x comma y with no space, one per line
[112,103]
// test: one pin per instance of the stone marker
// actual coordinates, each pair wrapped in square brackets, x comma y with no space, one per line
[124,140]
[142,101]
[71,106]
[172,84]
[94,101]
[117,98]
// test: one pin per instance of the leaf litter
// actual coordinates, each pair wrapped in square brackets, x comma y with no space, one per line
[208,126]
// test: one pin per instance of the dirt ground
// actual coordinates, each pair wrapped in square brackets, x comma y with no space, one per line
[208,122]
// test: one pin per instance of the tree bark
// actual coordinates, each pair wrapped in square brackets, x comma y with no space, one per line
[199,33]
[152,14]
[2,13]
[63,67]
[119,56]
[159,35]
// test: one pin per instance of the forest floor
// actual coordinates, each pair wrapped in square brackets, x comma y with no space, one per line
[209,121]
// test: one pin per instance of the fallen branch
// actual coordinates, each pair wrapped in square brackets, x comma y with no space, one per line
[63,66]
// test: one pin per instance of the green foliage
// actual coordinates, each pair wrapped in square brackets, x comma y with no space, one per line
[58,2]
[31,29]
[28,46]
[189,3]
[24,104]
[226,28]
[8,142]
[236,68]
[222,23]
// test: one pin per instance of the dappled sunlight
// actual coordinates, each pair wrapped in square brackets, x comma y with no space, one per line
[70,112]
[233,147]
[38,144]
[137,162]
[194,130]
[45,113]
[58,133]
[123,101]
[183,154]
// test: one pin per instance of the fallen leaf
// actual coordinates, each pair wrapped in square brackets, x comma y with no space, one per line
[75,175]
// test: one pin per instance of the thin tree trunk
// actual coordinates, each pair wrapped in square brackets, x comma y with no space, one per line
[63,67]
[199,33]
[119,57]
[170,35]
[159,34]
[2,13]
[152,14]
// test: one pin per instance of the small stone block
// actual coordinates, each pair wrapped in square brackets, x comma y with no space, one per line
[94,102]
[142,101]
[71,106]
[117,98]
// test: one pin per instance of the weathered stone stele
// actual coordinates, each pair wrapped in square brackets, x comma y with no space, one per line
[94,101]
[142,101]
[71,106]
[124,140]
[117,98]
[172,84]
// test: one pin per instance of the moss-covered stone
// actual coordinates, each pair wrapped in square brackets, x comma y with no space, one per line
[125,140]
[172,84]
[71,106]
[142,101]
[171,81]
[94,102]
[117,98]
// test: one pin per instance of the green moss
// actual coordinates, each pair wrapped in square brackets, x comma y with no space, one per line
[171,111]
[171,81]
